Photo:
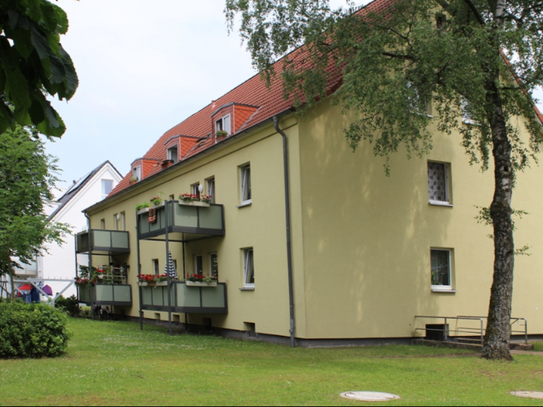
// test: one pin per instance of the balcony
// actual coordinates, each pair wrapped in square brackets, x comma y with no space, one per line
[197,300]
[185,222]
[105,294]
[108,241]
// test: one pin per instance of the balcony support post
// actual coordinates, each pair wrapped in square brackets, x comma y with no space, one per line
[166,207]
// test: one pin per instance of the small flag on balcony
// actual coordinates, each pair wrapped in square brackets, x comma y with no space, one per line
[170,267]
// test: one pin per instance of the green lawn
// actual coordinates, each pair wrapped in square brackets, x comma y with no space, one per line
[116,363]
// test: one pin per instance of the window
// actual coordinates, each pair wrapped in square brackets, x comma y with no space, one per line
[198,265]
[211,189]
[248,268]
[156,269]
[438,183]
[214,265]
[466,114]
[119,220]
[441,269]
[246,195]
[107,187]
[223,124]
[136,173]
[196,189]
[172,154]
[103,224]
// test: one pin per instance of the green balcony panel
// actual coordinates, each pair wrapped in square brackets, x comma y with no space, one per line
[105,294]
[206,300]
[106,241]
[185,222]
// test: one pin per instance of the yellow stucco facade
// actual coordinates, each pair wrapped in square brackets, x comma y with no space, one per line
[361,241]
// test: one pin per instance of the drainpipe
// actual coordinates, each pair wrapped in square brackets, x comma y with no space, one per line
[288,227]
[90,257]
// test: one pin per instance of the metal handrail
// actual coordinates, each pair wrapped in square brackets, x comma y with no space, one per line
[445,319]
[470,330]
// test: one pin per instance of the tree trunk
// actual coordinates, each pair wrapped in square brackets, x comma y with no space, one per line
[11,275]
[498,331]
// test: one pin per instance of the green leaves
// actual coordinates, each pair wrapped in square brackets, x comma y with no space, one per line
[33,64]
[26,176]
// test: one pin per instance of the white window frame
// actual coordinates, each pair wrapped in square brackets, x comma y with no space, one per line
[248,268]
[442,287]
[156,267]
[211,271]
[196,257]
[171,155]
[123,220]
[104,189]
[103,224]
[195,189]
[116,220]
[210,188]
[224,123]
[447,186]
[136,172]
[245,184]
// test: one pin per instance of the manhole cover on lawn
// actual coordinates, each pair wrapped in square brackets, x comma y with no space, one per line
[369,396]
[529,394]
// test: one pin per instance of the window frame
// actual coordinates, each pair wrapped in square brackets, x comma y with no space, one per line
[220,124]
[447,184]
[171,156]
[214,272]
[450,270]
[104,189]
[195,264]
[210,188]
[136,172]
[248,268]
[246,194]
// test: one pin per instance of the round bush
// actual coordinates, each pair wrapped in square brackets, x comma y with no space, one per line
[32,330]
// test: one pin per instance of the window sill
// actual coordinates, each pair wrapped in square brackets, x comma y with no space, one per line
[441,203]
[443,290]
[244,204]
[246,288]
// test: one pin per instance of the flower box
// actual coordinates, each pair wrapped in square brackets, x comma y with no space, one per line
[144,210]
[161,283]
[200,284]
[143,284]
[194,203]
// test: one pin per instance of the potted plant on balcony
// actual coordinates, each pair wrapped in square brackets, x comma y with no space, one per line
[157,199]
[143,207]
[220,134]
[146,280]
[194,200]
[133,180]
[199,280]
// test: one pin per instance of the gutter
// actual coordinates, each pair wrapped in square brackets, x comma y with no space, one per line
[288,228]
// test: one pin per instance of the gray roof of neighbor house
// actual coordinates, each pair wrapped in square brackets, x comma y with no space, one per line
[78,186]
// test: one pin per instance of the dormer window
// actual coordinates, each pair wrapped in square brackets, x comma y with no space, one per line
[172,154]
[223,124]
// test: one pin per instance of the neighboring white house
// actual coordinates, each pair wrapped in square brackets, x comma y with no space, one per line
[60,262]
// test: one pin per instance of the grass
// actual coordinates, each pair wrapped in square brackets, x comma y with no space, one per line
[114,363]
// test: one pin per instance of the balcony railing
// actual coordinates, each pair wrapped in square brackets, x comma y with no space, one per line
[109,241]
[105,294]
[187,221]
[184,299]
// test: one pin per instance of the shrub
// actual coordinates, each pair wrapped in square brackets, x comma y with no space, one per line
[70,305]
[32,330]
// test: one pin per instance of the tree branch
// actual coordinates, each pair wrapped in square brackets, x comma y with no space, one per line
[399,56]
[475,12]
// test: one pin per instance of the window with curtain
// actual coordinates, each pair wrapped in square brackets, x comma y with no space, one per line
[438,182]
[441,269]
[248,268]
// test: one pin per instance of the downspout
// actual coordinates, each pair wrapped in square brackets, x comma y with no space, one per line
[90,257]
[288,227]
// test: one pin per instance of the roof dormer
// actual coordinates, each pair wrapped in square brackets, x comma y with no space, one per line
[230,118]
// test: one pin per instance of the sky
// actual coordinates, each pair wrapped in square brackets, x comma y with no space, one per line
[143,68]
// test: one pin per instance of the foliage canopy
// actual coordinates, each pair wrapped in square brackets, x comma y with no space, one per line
[33,64]
[27,175]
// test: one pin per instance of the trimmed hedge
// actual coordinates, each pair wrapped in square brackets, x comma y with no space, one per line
[32,330]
